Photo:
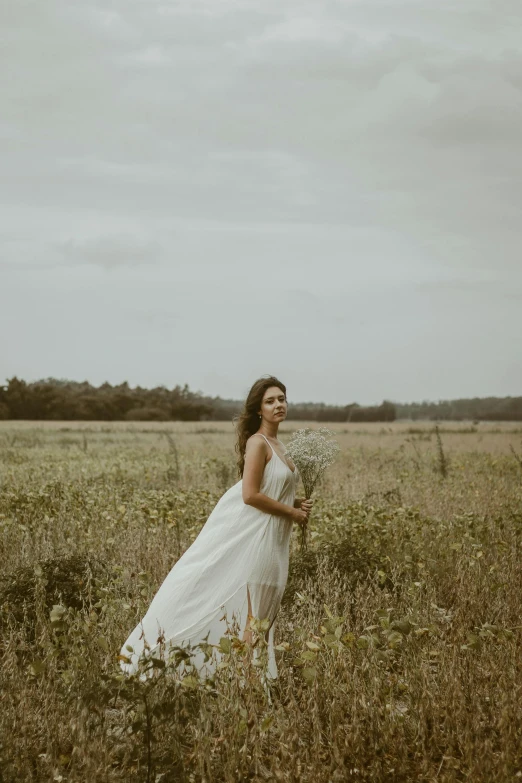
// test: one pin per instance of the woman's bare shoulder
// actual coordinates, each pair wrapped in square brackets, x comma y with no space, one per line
[256,440]
[257,443]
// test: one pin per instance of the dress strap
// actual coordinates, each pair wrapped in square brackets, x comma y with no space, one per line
[263,436]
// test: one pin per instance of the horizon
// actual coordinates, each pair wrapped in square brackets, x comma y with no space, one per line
[291,402]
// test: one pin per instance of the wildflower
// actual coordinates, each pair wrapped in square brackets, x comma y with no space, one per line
[312,451]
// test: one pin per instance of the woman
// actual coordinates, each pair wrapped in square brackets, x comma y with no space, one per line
[238,565]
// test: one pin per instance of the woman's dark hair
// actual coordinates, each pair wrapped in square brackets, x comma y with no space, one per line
[247,422]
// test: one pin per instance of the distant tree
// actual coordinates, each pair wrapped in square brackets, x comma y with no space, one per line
[388,411]
[474,409]
[146,414]
[384,412]
[16,398]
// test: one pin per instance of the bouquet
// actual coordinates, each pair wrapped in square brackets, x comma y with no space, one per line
[312,451]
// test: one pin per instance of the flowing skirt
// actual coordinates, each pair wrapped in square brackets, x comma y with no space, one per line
[241,552]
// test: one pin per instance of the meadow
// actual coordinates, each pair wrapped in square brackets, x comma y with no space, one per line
[398,641]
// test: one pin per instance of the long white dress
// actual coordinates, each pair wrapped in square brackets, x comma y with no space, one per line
[239,548]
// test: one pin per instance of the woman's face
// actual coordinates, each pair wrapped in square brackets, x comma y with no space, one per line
[274,404]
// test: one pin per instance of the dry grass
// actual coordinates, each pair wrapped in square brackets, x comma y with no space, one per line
[400,629]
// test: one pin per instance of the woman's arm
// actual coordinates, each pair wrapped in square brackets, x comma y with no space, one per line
[255,460]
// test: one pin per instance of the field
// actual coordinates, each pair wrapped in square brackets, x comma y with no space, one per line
[399,635]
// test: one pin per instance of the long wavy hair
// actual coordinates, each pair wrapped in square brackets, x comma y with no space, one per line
[248,421]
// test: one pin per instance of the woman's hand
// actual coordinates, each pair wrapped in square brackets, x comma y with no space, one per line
[299,516]
[301,511]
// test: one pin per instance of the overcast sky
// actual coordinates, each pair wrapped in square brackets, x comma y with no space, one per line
[205,191]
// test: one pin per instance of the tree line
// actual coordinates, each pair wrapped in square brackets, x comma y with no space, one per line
[474,409]
[53,399]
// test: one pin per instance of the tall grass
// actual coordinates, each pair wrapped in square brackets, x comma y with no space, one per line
[398,638]
[442,460]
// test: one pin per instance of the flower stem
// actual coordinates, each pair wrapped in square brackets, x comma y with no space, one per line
[304,537]
[304,528]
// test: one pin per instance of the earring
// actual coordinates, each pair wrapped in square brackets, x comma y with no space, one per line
[260,416]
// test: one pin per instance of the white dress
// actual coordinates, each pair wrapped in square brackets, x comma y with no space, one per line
[239,547]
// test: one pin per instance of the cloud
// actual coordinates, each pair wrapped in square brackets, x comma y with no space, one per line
[109,252]
[352,150]
[488,289]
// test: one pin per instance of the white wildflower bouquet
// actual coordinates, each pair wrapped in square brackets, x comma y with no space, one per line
[312,451]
